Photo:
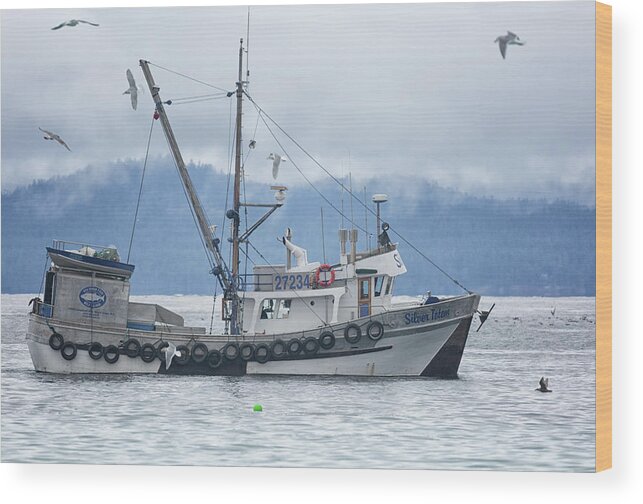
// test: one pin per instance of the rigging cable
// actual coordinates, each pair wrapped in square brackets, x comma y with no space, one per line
[214,302]
[196,97]
[44,275]
[196,223]
[407,242]
[290,158]
[188,77]
[200,100]
[140,189]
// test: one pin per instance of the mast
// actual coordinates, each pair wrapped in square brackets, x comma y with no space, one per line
[234,315]
[220,270]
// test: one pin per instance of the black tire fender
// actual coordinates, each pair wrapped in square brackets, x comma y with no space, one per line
[68,351]
[132,347]
[160,353]
[278,349]
[56,340]
[230,351]
[295,346]
[184,356]
[262,353]
[375,330]
[353,333]
[95,350]
[311,346]
[214,359]
[327,340]
[199,352]
[147,352]
[111,354]
[247,351]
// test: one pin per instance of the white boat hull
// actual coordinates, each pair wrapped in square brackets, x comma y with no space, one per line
[413,344]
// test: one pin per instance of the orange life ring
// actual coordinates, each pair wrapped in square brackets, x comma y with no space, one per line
[324,268]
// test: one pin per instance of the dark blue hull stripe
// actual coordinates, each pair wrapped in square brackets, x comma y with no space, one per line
[238,366]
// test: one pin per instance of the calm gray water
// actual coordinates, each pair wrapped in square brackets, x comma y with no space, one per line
[490,418]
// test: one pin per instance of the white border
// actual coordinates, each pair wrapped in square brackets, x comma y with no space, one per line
[97,484]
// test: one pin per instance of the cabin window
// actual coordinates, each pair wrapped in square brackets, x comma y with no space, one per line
[49,287]
[364,291]
[275,308]
[389,287]
[379,283]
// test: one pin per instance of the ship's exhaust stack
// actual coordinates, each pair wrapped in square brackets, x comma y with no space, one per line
[353,239]
[343,238]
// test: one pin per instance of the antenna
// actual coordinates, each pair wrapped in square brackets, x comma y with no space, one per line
[321,209]
[248,49]
[350,188]
[378,199]
[368,237]
[342,196]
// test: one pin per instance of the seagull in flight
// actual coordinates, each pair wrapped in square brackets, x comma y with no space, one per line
[505,40]
[276,161]
[52,136]
[170,352]
[132,91]
[73,22]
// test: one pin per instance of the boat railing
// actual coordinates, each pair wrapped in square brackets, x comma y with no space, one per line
[40,308]
[382,249]
[255,281]
[280,281]
[100,251]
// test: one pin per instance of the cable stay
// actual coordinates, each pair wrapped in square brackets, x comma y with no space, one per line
[263,113]
[210,244]
[140,190]
[192,78]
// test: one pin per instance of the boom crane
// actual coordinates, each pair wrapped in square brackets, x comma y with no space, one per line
[220,270]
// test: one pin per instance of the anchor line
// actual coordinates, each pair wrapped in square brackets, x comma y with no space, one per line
[140,190]
[343,186]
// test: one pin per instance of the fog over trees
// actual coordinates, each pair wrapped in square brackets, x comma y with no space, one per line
[492,246]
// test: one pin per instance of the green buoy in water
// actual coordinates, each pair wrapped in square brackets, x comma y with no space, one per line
[257,407]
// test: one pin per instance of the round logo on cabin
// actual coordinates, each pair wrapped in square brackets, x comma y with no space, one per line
[92,297]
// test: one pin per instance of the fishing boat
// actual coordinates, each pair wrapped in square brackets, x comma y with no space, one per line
[298,318]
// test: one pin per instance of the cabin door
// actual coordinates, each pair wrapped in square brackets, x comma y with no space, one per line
[364,301]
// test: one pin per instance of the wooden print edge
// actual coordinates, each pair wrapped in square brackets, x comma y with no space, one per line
[603,236]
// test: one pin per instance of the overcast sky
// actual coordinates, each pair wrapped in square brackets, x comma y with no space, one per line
[392,91]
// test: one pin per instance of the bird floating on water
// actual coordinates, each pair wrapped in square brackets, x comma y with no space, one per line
[52,136]
[74,22]
[277,159]
[509,39]
[553,311]
[133,89]
[544,385]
